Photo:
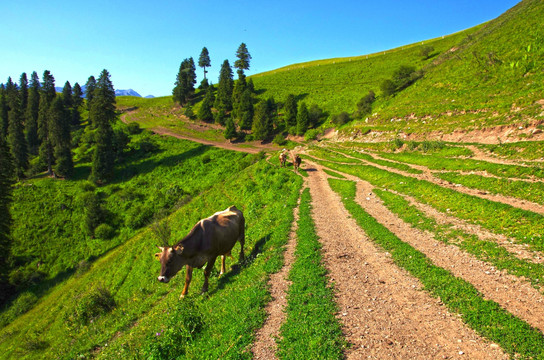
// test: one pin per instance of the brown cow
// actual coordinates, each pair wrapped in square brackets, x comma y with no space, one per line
[208,239]
[283,159]
[296,162]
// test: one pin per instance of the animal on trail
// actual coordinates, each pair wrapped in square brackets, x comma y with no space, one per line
[296,162]
[211,237]
[283,159]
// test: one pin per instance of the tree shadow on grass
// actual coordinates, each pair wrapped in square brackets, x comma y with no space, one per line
[231,275]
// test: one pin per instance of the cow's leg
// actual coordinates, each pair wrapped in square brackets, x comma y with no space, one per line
[188,277]
[207,272]
[223,264]
[242,241]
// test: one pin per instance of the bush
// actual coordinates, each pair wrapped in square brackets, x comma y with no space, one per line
[138,216]
[432,145]
[134,128]
[104,232]
[403,77]
[89,306]
[341,119]
[364,106]
[21,305]
[280,140]
[395,144]
[311,134]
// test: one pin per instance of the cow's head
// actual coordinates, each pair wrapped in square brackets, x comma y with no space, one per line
[171,262]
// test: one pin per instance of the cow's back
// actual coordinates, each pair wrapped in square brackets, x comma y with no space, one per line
[222,230]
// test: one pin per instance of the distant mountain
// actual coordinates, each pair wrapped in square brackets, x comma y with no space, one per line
[128,92]
[149,97]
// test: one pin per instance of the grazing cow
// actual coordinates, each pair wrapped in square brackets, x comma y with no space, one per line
[208,239]
[283,159]
[296,162]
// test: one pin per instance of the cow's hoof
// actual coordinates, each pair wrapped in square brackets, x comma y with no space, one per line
[181,296]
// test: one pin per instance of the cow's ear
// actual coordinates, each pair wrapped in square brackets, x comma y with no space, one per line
[178,249]
[158,256]
[161,248]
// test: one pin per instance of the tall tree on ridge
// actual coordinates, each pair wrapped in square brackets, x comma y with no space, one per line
[89,91]
[184,86]
[16,138]
[243,59]
[67,95]
[48,86]
[4,112]
[59,120]
[204,60]
[223,100]
[31,114]
[6,182]
[47,95]
[102,115]
[23,91]
[77,98]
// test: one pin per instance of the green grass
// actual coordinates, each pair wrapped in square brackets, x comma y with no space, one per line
[390,164]
[311,330]
[526,150]
[525,226]
[436,162]
[223,322]
[484,250]
[484,316]
[532,191]
[334,174]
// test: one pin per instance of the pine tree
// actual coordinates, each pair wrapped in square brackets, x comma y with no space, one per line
[77,97]
[67,95]
[245,110]
[4,111]
[59,120]
[205,111]
[6,182]
[23,91]
[290,111]
[303,119]
[46,145]
[89,91]
[102,115]
[48,86]
[261,122]
[184,87]
[243,58]
[31,114]
[230,130]
[204,60]
[239,88]
[16,138]
[223,99]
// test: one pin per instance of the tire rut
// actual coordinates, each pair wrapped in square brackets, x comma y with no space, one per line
[384,313]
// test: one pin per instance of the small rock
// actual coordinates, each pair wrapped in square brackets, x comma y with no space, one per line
[461,353]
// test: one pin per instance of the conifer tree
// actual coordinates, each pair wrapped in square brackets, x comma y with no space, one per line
[77,97]
[4,111]
[23,91]
[6,182]
[46,145]
[31,114]
[48,86]
[67,95]
[204,60]
[102,115]
[205,111]
[223,99]
[239,88]
[243,58]
[184,86]
[59,120]
[16,138]
[303,119]
[230,129]
[12,92]
[290,111]
[89,91]
[261,122]
[245,110]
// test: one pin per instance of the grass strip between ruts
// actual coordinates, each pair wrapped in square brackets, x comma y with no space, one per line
[311,330]
[484,316]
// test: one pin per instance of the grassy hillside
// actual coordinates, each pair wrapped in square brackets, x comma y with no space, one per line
[114,307]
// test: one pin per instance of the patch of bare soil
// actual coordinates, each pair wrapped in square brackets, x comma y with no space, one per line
[384,313]
[513,294]
[265,345]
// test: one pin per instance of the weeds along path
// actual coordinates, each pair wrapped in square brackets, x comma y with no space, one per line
[513,294]
[265,345]
[427,175]
[384,313]
[479,154]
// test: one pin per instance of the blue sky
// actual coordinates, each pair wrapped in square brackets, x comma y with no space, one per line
[142,43]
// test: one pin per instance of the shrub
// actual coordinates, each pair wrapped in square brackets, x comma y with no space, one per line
[364,106]
[90,305]
[138,216]
[134,128]
[432,145]
[311,134]
[279,139]
[104,232]
[395,144]
[21,305]
[341,119]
